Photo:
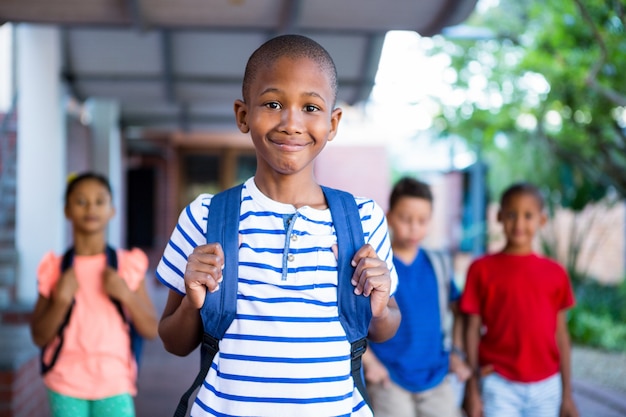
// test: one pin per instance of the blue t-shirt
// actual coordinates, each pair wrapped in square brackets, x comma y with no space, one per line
[415,357]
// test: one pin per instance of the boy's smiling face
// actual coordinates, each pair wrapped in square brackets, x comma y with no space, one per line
[289,114]
[521,217]
[409,221]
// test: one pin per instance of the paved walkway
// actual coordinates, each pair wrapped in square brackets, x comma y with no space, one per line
[164,377]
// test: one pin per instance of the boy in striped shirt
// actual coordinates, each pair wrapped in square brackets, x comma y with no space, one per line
[285,353]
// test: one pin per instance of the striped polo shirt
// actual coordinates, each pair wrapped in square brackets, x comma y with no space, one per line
[286,353]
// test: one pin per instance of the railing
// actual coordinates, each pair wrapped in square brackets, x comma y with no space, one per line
[7,166]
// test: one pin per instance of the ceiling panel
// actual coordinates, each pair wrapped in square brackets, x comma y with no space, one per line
[178,64]
[114,52]
[199,53]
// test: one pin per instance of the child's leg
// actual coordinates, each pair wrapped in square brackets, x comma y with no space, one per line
[439,401]
[118,406]
[501,397]
[391,401]
[64,406]
[544,398]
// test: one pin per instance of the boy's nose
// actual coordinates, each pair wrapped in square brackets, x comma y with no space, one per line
[291,121]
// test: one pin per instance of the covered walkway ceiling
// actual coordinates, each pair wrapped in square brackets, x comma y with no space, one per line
[176,65]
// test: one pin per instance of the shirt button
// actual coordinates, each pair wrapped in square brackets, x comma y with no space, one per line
[294,238]
[290,258]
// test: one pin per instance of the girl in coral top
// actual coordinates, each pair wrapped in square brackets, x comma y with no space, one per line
[95,371]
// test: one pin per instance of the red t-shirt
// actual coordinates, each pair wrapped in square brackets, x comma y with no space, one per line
[518,298]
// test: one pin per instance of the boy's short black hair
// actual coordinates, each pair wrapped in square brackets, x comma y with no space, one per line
[74,181]
[522,188]
[409,187]
[291,46]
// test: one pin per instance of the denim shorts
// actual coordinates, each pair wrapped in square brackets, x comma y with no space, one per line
[504,398]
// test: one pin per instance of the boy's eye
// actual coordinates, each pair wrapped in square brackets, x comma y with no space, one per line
[273,105]
[311,108]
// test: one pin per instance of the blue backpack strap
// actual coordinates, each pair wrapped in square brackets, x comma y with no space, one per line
[355,311]
[220,307]
[223,227]
[66,263]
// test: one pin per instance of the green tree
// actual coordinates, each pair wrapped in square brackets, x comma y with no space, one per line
[546,90]
[543,99]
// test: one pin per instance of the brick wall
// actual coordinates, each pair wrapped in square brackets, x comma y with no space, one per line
[22,393]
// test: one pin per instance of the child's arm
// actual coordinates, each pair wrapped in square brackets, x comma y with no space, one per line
[473,403]
[137,303]
[180,327]
[375,372]
[371,278]
[50,312]
[568,408]
[458,357]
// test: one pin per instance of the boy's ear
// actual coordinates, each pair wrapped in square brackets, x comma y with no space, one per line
[499,216]
[543,219]
[241,116]
[335,117]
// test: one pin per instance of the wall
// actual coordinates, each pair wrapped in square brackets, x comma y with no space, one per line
[362,170]
[604,244]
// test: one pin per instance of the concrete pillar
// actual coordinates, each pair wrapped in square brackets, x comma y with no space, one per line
[40,152]
[107,159]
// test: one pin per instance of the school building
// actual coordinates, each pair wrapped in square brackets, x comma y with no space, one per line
[142,91]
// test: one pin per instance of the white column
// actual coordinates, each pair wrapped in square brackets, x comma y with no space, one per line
[40,152]
[107,158]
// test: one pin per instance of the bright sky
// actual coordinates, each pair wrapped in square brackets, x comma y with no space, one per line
[402,108]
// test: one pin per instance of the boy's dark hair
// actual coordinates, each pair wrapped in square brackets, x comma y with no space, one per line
[74,181]
[522,188]
[291,46]
[409,187]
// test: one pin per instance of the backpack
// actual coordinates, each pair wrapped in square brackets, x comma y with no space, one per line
[136,340]
[219,308]
[442,266]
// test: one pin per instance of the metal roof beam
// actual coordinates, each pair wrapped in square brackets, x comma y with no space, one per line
[369,67]
[136,14]
[167,65]
[290,17]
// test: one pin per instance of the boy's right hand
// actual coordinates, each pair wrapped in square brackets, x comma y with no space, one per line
[376,373]
[203,272]
[66,287]
[472,403]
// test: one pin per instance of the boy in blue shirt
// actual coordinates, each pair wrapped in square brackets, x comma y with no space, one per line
[407,375]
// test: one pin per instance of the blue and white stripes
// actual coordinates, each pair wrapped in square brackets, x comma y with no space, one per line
[286,352]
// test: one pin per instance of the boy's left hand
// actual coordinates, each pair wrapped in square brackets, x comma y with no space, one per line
[114,285]
[568,408]
[371,278]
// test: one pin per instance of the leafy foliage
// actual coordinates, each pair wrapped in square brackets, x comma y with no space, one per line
[544,99]
[599,318]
